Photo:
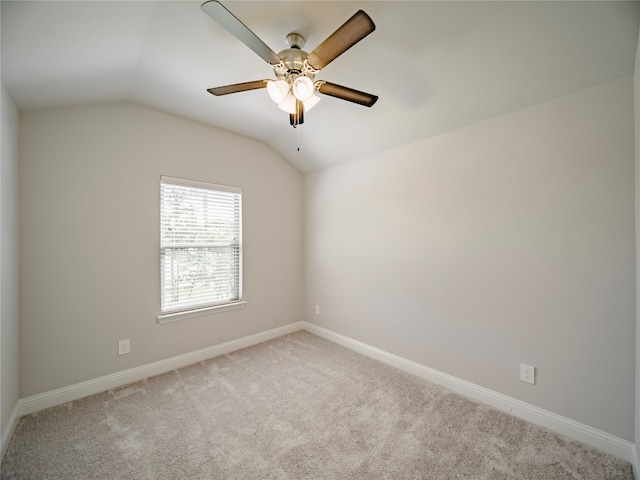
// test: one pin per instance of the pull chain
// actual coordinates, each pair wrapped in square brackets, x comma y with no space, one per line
[298,135]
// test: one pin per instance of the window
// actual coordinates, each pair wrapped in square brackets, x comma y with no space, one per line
[200,246]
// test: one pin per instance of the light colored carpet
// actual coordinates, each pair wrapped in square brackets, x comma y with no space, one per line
[297,407]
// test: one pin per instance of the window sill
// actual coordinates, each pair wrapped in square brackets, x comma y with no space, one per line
[174,317]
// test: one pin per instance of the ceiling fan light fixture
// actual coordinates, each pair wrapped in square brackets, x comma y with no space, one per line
[310,102]
[303,88]
[277,90]
[293,90]
[288,104]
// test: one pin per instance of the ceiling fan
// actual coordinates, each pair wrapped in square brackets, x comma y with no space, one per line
[295,70]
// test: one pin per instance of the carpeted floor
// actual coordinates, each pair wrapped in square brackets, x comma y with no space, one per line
[297,407]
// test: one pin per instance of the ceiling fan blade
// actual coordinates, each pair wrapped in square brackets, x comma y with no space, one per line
[229,21]
[346,93]
[238,87]
[345,37]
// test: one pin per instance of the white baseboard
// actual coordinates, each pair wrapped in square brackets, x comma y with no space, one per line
[74,392]
[565,426]
[10,428]
[557,423]
[635,461]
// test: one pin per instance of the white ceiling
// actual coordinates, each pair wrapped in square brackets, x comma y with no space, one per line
[436,66]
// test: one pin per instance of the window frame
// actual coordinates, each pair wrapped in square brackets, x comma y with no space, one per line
[170,315]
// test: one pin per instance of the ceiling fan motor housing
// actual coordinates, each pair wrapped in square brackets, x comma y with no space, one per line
[293,61]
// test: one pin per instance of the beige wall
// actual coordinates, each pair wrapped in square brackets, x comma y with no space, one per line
[89,199]
[9,268]
[508,241]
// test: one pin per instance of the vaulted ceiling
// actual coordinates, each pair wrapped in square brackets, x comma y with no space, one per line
[436,66]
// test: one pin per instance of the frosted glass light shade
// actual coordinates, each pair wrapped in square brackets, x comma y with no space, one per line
[303,88]
[288,104]
[277,90]
[309,104]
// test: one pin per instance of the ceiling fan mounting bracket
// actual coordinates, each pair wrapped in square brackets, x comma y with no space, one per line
[308,69]
[296,40]
[317,84]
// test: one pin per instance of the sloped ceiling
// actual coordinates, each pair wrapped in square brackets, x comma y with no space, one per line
[436,66]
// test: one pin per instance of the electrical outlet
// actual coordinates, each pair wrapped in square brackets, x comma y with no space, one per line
[527,373]
[124,347]
[317,309]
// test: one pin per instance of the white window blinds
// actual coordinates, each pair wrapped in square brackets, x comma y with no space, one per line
[200,245]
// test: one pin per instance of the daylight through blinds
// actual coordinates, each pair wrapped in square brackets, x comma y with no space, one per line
[200,245]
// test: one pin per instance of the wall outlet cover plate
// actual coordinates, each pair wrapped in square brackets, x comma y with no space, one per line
[527,373]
